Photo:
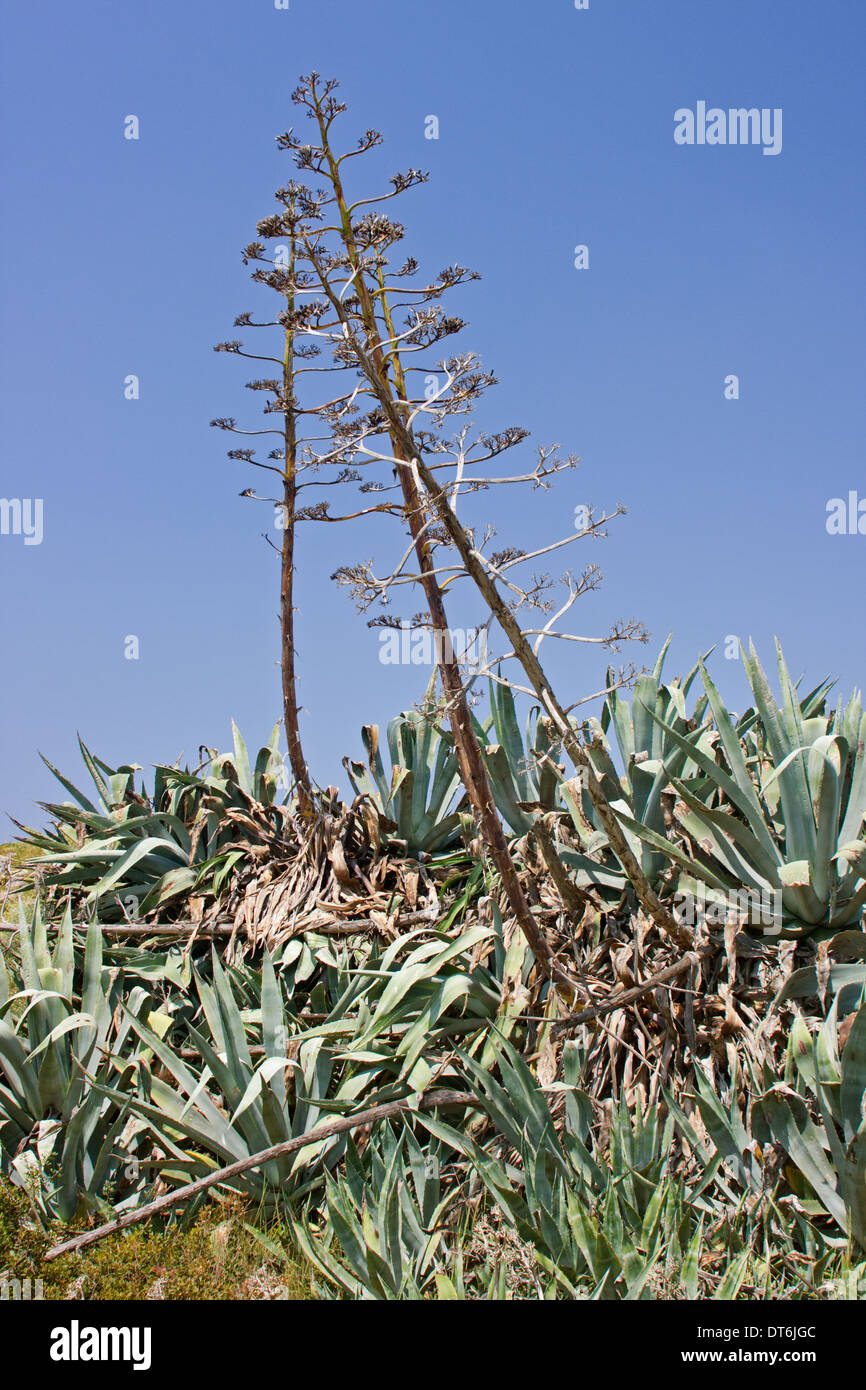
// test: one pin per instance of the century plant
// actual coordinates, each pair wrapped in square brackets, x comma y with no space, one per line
[641,790]
[827,1076]
[623,1218]
[522,768]
[122,851]
[383,1231]
[587,1223]
[605,1220]
[61,1137]
[777,814]
[418,798]
[345,249]
[370,315]
[388,1026]
[230,1106]
[814,1115]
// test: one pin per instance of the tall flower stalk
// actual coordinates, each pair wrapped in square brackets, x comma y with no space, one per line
[283,402]
[388,380]
[355,289]
[297,760]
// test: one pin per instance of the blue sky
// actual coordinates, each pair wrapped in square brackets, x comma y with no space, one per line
[556,129]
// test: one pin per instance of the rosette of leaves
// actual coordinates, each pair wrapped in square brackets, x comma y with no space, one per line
[636,733]
[382,1233]
[522,767]
[386,1026]
[817,1117]
[777,821]
[124,852]
[61,1137]
[589,1225]
[415,803]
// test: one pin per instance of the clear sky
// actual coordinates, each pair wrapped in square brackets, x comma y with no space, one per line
[556,129]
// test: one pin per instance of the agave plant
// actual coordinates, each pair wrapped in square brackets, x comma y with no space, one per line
[60,1137]
[129,852]
[382,1023]
[415,804]
[229,1106]
[588,1226]
[605,1224]
[648,756]
[780,823]
[522,769]
[842,968]
[390,1018]
[831,1154]
[382,1221]
[815,1115]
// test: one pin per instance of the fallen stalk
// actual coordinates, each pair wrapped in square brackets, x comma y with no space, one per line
[113,929]
[432,1101]
[225,928]
[629,995]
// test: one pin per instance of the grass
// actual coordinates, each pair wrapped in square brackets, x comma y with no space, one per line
[12,856]
[214,1256]
[17,853]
